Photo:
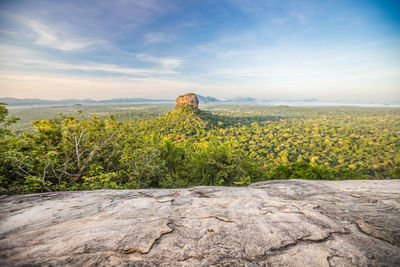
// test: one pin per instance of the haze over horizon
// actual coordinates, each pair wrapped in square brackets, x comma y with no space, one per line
[160,49]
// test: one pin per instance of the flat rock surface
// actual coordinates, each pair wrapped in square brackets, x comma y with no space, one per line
[273,223]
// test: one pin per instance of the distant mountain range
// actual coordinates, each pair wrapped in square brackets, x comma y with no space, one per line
[207,99]
[41,102]
[26,102]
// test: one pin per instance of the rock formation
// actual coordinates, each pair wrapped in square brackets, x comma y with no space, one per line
[187,99]
[274,223]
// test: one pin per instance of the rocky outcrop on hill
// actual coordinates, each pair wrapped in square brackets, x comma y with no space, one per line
[187,99]
[274,223]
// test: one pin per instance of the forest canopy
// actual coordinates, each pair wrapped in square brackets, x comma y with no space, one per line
[234,145]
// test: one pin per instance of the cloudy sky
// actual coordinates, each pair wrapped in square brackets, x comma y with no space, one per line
[331,49]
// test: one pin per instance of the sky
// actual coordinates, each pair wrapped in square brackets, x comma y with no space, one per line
[271,49]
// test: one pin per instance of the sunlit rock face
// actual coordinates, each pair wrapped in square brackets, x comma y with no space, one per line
[273,223]
[187,99]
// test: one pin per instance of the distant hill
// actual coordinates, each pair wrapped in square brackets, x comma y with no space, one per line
[132,100]
[40,102]
[207,99]
[202,99]
[23,102]
[26,102]
[242,99]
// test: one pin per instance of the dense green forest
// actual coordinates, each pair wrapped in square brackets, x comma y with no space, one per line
[139,146]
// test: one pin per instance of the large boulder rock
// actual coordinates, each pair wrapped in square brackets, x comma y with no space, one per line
[275,223]
[187,100]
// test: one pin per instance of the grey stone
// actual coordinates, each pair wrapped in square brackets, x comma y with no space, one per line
[273,223]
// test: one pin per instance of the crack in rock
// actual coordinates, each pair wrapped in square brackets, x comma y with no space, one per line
[305,239]
[152,243]
[224,219]
[363,228]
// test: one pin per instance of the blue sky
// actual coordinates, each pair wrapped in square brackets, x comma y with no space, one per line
[158,49]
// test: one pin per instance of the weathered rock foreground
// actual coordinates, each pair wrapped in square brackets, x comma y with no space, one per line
[286,223]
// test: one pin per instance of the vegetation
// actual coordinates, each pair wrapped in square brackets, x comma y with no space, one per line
[137,147]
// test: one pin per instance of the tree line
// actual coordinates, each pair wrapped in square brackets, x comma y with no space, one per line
[188,147]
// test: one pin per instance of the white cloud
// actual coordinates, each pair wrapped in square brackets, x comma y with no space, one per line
[27,85]
[49,37]
[109,68]
[157,37]
[24,58]
[166,63]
